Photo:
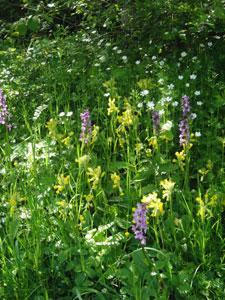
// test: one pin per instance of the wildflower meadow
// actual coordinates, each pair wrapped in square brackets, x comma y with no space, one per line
[112,142]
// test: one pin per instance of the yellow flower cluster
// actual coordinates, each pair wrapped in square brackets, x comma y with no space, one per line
[168,186]
[154,203]
[204,171]
[206,203]
[52,128]
[112,108]
[62,181]
[94,134]
[139,147]
[180,158]
[83,160]
[153,142]
[94,176]
[116,180]
[126,118]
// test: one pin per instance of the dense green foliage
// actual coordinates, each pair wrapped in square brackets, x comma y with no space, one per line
[66,208]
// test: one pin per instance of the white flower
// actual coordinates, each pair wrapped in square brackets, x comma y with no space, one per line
[180,77]
[187,84]
[150,104]
[3,171]
[124,58]
[161,63]
[202,45]
[50,5]
[170,86]
[193,76]
[69,114]
[161,112]
[115,48]
[168,99]
[197,93]
[167,126]
[144,92]
[140,105]
[160,81]
[102,58]
[210,44]
[199,103]
[193,116]
[25,213]
[162,101]
[137,62]
[175,103]
[108,44]
[106,94]
[62,114]
[178,64]
[153,57]
[119,51]
[198,134]
[183,54]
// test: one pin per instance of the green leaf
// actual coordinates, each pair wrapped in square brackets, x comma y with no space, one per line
[33,24]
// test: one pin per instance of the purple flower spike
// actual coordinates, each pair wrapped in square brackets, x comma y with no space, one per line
[86,127]
[140,223]
[184,123]
[184,132]
[4,113]
[156,120]
[185,106]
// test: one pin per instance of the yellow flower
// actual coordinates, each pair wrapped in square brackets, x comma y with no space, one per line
[51,125]
[202,208]
[52,128]
[83,160]
[181,158]
[126,119]
[94,134]
[148,152]
[138,147]
[152,197]
[89,197]
[153,202]
[62,181]
[62,204]
[116,180]
[81,218]
[13,203]
[180,155]
[112,106]
[157,209]
[168,186]
[66,141]
[126,233]
[94,176]
[153,142]
[213,200]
